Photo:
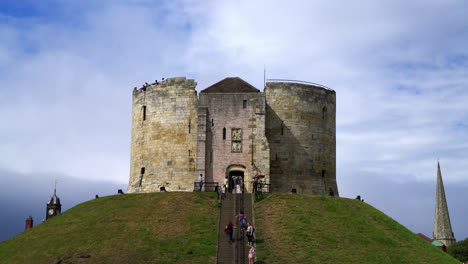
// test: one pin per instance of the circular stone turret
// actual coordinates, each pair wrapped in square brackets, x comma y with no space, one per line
[164,137]
[301,130]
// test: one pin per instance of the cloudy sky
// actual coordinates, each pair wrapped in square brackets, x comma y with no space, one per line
[399,68]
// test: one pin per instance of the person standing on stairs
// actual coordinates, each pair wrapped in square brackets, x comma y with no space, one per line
[251,255]
[242,219]
[229,230]
[231,184]
[250,234]
[226,184]
[238,185]
[255,182]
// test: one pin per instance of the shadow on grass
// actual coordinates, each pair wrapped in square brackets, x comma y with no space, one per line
[258,241]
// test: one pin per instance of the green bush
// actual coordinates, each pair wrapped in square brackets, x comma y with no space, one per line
[459,250]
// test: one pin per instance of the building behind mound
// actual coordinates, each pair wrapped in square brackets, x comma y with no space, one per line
[286,133]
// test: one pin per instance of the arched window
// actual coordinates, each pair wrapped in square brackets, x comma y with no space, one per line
[224,133]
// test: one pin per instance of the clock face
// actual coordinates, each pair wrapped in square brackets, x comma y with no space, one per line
[51,211]
[236,134]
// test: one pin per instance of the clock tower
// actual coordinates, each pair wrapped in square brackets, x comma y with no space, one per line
[53,206]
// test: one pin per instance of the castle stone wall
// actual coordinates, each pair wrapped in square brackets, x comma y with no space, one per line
[261,146]
[301,130]
[164,142]
[226,110]
[288,135]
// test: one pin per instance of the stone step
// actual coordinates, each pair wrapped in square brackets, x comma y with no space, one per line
[236,252]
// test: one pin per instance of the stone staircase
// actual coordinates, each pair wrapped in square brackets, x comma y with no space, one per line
[236,252]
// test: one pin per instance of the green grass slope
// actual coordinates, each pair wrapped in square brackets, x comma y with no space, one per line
[317,229]
[130,228]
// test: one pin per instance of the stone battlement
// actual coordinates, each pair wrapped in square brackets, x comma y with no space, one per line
[176,82]
[179,82]
[298,82]
[293,84]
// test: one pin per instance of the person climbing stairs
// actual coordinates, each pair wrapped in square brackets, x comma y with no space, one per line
[237,251]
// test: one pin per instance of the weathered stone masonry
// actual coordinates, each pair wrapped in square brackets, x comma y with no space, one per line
[286,133]
[301,130]
[164,137]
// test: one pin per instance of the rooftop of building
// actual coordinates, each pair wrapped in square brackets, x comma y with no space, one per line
[54,199]
[231,85]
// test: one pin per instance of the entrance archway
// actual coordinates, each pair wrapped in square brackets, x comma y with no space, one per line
[236,176]
[238,171]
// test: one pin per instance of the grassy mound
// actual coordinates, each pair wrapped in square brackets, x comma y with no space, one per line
[130,228]
[317,229]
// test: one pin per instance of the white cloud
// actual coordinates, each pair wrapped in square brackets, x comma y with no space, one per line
[399,69]
[401,96]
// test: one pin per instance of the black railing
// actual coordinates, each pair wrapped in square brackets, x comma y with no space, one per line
[263,187]
[302,82]
[205,186]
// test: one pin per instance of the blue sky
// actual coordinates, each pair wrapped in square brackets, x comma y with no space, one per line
[399,68]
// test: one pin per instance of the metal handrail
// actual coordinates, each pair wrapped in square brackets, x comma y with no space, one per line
[301,82]
[206,186]
[263,187]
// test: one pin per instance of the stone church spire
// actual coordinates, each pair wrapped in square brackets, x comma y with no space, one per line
[442,227]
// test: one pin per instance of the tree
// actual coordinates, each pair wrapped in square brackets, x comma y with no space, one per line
[459,250]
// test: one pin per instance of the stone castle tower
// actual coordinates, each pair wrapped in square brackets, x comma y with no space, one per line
[286,133]
[442,227]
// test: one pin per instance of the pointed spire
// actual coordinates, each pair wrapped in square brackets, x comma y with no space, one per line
[442,227]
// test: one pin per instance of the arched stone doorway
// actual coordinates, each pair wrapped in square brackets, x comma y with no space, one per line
[238,171]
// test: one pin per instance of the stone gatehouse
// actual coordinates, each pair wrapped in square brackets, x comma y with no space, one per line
[286,133]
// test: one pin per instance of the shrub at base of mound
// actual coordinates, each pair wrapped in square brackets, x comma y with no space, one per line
[459,250]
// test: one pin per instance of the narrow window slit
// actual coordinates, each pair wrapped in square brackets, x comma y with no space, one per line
[144,112]
[142,171]
[224,133]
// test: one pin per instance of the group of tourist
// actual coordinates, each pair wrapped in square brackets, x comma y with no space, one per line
[232,184]
[244,227]
[145,85]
